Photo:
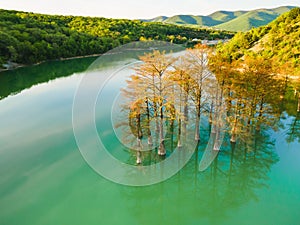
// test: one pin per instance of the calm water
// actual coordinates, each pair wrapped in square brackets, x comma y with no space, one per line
[45,180]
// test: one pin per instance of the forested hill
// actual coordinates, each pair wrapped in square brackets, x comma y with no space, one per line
[28,38]
[278,41]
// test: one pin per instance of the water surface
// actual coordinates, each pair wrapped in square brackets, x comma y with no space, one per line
[45,180]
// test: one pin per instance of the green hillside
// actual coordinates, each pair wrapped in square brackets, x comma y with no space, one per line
[157,19]
[228,20]
[27,38]
[191,20]
[225,16]
[278,41]
[283,9]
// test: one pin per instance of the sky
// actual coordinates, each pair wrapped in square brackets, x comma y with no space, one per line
[138,9]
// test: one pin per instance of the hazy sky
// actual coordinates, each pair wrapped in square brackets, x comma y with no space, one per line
[138,8]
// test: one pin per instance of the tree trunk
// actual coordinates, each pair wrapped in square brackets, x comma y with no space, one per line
[179,134]
[217,126]
[197,130]
[161,148]
[229,101]
[139,128]
[298,108]
[233,138]
[150,142]
[148,123]
[138,153]
[217,142]
[172,134]
[211,112]
[138,157]
[185,113]
[234,129]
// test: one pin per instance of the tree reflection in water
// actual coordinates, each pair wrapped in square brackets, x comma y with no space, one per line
[256,101]
[232,180]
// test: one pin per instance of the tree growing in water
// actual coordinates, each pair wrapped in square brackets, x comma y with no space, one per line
[167,93]
[197,59]
[172,91]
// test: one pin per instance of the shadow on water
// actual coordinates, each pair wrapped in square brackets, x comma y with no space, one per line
[15,81]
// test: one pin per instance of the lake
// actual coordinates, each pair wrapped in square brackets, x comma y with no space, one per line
[44,178]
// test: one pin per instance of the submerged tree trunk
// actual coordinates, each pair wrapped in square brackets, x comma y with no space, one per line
[233,135]
[138,157]
[211,113]
[172,133]
[197,129]
[185,113]
[148,123]
[139,139]
[217,141]
[234,128]
[161,148]
[179,145]
[179,134]
[218,125]
[198,115]
[228,101]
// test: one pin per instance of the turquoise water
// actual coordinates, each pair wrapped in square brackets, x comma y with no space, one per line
[45,180]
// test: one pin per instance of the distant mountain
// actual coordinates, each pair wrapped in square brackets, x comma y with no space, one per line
[224,16]
[254,18]
[227,20]
[158,19]
[192,20]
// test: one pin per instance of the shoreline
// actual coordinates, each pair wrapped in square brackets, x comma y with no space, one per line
[60,59]
[51,60]
[68,58]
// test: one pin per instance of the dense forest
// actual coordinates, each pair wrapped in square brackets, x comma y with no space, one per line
[27,38]
[277,42]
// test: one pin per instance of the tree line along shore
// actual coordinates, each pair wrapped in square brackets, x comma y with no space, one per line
[29,38]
